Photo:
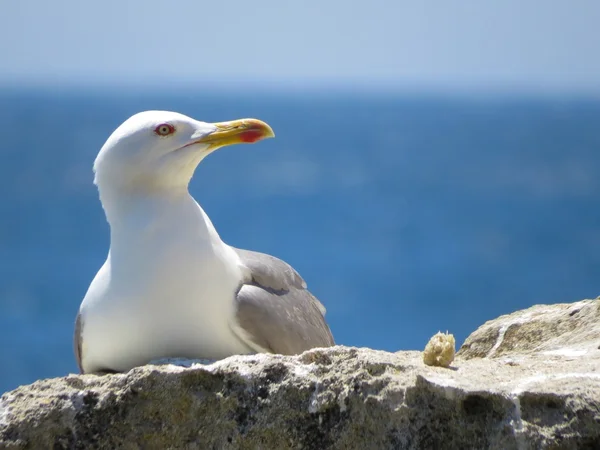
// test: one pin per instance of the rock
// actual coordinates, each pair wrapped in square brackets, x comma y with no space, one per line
[567,329]
[336,398]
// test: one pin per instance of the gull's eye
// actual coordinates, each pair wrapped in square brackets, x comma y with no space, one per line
[164,129]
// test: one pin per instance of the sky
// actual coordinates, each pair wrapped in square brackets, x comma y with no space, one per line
[460,44]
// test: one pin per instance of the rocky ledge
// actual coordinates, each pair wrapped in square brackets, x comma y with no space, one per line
[527,380]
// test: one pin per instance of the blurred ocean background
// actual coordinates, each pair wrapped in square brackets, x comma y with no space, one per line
[435,165]
[406,215]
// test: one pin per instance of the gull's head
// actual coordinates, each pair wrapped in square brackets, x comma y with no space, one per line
[161,149]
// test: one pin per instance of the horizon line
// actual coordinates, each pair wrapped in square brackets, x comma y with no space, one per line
[305,85]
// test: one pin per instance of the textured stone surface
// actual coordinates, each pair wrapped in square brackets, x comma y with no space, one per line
[336,398]
[567,329]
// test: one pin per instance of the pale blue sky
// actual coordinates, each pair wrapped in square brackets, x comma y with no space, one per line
[549,45]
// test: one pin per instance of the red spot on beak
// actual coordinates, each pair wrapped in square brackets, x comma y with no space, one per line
[251,136]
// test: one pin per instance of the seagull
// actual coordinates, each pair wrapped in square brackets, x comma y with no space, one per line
[170,287]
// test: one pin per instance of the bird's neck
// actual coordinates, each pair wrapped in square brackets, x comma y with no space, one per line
[137,217]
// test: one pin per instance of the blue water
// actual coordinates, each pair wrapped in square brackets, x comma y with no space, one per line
[406,215]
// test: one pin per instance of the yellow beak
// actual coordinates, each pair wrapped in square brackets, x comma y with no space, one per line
[241,131]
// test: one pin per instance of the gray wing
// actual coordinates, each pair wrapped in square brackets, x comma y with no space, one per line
[275,311]
[77,341]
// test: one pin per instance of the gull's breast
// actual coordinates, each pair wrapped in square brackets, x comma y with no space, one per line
[174,299]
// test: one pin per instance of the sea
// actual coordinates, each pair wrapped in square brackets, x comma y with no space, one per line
[407,214]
